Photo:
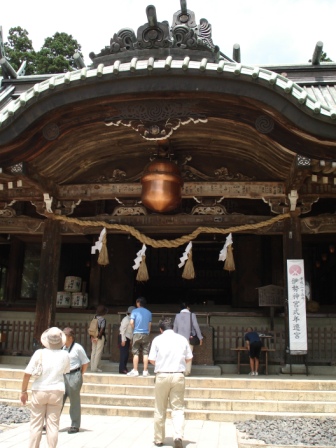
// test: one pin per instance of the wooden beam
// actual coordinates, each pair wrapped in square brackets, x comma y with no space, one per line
[250,190]
[149,224]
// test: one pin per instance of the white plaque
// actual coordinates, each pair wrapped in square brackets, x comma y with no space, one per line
[297,319]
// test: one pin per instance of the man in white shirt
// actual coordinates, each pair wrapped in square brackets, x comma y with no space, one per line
[169,354]
[124,340]
[79,362]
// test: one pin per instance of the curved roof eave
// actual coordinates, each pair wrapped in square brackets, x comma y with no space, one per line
[258,83]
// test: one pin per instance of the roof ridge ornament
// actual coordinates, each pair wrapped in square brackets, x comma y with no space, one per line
[155,36]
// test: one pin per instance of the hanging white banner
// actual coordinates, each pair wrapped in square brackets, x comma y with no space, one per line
[297,319]
[223,252]
[98,244]
[184,257]
[139,256]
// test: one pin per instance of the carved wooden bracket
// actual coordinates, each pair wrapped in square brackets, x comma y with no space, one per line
[277,205]
[319,224]
[7,212]
[122,210]
[47,204]
[306,203]
[156,120]
[66,207]
[209,210]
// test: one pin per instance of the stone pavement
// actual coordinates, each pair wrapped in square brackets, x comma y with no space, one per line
[126,432]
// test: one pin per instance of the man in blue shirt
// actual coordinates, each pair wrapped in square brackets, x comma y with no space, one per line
[141,322]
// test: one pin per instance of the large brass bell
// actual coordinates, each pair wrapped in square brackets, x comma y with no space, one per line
[161,186]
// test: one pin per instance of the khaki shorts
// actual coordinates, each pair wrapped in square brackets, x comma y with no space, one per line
[140,342]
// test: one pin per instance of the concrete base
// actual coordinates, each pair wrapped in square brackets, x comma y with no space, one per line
[111,367]
[197,370]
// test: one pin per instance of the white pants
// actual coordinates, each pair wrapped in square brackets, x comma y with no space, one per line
[169,387]
[96,353]
[45,405]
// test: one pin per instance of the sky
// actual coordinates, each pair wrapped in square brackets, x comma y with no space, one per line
[269,32]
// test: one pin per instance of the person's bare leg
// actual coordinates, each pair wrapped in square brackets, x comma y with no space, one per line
[145,362]
[256,365]
[252,364]
[136,362]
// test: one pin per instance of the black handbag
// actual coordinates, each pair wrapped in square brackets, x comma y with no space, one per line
[193,340]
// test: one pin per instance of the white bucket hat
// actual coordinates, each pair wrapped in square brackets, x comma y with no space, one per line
[53,338]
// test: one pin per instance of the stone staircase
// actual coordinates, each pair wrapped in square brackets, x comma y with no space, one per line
[227,398]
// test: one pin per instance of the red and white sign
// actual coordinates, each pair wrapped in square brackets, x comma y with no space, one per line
[297,319]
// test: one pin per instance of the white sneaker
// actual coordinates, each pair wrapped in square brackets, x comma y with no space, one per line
[99,370]
[251,373]
[256,373]
[133,373]
[145,373]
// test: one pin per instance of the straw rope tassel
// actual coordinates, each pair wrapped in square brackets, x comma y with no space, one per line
[189,271]
[103,258]
[142,275]
[229,264]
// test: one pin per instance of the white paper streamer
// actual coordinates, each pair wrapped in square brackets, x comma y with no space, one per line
[184,257]
[99,244]
[223,252]
[138,259]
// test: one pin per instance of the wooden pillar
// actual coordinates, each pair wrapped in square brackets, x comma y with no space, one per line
[14,270]
[292,241]
[48,279]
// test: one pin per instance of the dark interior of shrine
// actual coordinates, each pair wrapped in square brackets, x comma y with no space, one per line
[258,262]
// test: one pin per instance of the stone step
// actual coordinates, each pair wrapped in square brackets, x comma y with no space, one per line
[235,382]
[199,404]
[211,398]
[219,416]
[197,393]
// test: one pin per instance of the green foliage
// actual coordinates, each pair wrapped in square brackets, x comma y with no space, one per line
[55,56]
[19,48]
[324,57]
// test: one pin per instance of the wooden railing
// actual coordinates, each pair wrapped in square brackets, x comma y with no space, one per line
[18,340]
[226,338]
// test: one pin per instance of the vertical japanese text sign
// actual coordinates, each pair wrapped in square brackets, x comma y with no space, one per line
[297,320]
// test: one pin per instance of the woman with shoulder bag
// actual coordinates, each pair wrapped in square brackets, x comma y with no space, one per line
[186,325]
[98,342]
[48,365]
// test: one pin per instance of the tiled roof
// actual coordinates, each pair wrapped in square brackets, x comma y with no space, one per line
[321,100]
[326,95]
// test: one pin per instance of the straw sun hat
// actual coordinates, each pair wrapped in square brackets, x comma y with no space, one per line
[53,338]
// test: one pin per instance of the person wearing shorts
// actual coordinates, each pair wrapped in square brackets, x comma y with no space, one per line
[253,344]
[141,321]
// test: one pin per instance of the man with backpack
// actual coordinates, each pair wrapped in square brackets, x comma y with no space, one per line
[97,334]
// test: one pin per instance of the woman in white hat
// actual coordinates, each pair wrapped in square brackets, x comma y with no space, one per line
[49,364]
[124,340]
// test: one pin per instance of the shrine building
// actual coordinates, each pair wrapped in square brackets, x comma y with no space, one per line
[164,140]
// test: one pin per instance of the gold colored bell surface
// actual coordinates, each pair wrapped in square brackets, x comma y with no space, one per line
[161,186]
